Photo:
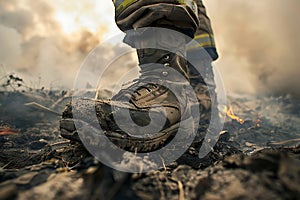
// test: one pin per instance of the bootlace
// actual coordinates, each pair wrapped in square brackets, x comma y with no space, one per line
[149,77]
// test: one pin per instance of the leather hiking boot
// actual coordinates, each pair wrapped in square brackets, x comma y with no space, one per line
[202,81]
[146,115]
[202,77]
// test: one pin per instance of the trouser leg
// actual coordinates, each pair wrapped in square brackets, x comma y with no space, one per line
[204,34]
[202,75]
[180,15]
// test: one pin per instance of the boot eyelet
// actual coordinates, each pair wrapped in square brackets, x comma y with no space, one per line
[167,57]
[167,65]
[165,73]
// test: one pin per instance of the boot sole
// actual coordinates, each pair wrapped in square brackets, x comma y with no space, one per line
[121,140]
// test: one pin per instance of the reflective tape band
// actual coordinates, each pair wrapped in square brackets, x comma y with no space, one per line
[203,40]
[120,5]
[190,3]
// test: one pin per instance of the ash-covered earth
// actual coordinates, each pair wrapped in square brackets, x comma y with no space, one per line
[255,159]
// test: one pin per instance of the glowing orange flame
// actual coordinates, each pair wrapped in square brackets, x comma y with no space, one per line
[258,121]
[8,131]
[230,114]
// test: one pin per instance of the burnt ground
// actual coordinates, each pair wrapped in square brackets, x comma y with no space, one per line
[258,159]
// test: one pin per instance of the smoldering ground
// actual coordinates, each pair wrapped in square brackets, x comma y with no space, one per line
[258,44]
[257,41]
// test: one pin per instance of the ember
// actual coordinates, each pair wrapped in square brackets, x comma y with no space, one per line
[34,157]
[7,131]
[258,121]
[229,112]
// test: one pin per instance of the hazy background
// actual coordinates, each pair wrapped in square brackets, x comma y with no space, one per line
[45,42]
[259,43]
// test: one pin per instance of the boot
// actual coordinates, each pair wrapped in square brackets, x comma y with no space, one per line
[146,115]
[202,81]
[202,77]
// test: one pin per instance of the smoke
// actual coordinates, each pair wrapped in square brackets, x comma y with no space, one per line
[35,44]
[259,43]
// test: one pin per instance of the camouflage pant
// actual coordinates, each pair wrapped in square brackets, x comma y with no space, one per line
[187,16]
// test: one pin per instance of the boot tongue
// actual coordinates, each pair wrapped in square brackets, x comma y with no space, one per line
[161,64]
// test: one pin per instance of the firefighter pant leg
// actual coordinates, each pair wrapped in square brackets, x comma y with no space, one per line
[204,34]
[179,15]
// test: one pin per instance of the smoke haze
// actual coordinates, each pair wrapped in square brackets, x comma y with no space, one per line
[35,44]
[258,41]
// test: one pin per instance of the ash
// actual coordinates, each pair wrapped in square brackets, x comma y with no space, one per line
[258,159]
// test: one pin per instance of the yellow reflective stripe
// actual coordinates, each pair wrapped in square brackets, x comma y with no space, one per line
[190,3]
[203,40]
[124,4]
[204,36]
[187,2]
[204,44]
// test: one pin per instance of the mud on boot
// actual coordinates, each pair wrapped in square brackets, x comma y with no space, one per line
[145,116]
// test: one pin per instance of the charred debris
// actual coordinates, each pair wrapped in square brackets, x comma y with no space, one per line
[257,156]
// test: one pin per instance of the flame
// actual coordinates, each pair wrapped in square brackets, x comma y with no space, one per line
[258,121]
[229,112]
[7,131]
